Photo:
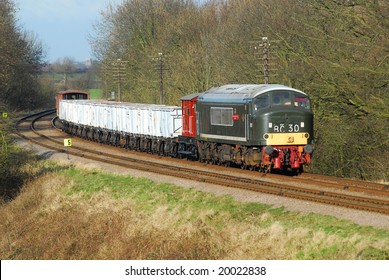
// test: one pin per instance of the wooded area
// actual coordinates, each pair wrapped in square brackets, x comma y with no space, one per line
[21,59]
[335,50]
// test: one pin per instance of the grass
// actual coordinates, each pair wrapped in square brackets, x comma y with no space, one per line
[96,93]
[71,213]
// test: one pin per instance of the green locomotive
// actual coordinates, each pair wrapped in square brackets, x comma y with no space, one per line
[254,126]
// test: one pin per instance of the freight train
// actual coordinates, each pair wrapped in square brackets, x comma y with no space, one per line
[253,126]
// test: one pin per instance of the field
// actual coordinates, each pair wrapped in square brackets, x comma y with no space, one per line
[95,93]
[69,213]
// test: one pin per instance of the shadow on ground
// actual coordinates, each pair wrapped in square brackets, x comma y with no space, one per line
[20,167]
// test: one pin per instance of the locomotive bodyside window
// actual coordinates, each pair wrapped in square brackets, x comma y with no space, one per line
[221,116]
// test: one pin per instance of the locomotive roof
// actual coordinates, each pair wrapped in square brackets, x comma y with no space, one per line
[241,92]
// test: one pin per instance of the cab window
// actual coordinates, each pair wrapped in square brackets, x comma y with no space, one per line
[301,102]
[261,102]
[281,98]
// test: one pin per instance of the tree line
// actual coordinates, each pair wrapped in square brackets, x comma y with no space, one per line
[335,50]
[21,60]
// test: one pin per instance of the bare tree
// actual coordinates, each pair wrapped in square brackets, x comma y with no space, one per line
[21,58]
[337,51]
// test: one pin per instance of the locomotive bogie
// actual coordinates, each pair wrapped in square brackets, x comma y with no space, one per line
[227,155]
[187,147]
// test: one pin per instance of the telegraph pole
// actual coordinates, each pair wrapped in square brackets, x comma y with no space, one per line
[161,68]
[263,50]
[266,58]
[118,69]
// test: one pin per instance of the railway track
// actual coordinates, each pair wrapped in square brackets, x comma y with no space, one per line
[357,195]
[339,183]
[349,184]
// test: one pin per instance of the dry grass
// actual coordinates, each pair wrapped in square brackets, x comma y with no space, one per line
[50,220]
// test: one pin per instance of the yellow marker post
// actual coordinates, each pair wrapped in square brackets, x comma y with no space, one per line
[67,143]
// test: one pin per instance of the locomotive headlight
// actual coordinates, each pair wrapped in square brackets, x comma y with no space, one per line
[302,124]
[308,149]
[270,125]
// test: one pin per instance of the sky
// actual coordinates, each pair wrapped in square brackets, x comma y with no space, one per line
[63,26]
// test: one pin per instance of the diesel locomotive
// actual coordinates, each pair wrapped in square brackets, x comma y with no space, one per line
[256,127]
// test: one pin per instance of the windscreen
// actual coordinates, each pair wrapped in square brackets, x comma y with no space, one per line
[301,102]
[282,98]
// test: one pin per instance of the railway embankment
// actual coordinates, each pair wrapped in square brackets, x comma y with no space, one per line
[74,213]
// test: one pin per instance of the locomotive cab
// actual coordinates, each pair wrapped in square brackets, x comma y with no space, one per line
[283,122]
[281,117]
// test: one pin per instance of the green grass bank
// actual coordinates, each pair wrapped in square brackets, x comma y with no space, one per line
[70,213]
